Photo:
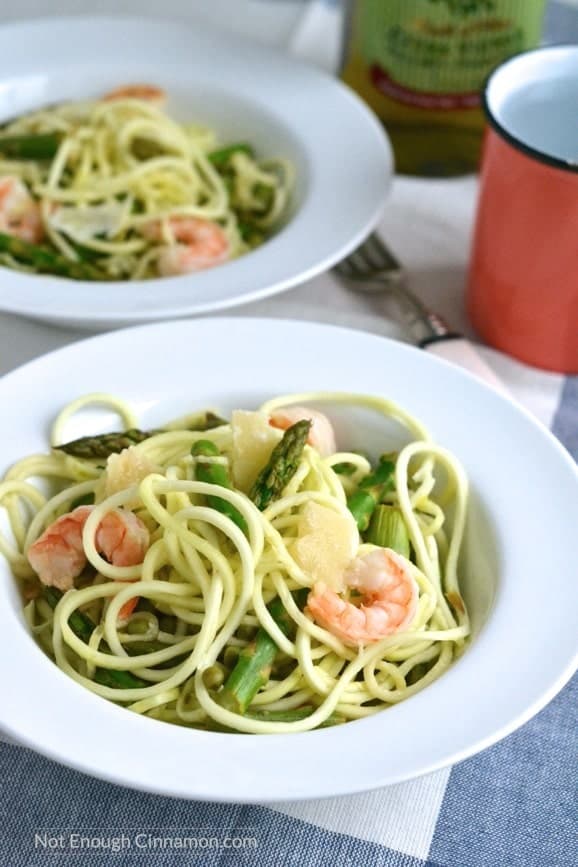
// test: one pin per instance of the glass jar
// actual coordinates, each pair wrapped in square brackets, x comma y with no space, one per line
[421,65]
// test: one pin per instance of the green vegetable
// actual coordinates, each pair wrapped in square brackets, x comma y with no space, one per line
[282,465]
[214,676]
[85,254]
[208,421]
[145,148]
[265,195]
[215,474]
[136,648]
[387,529]
[250,233]
[118,679]
[86,500]
[104,445]
[294,715]
[230,656]
[220,157]
[371,489]
[83,627]
[417,672]
[42,146]
[47,261]
[273,716]
[344,469]
[253,666]
[347,469]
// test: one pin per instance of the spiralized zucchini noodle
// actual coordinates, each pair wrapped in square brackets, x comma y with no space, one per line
[116,189]
[247,525]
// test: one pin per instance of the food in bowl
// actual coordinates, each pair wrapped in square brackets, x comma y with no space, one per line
[242,575]
[115,189]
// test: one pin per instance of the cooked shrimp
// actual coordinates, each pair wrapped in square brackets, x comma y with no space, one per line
[321,435]
[201,244]
[58,555]
[388,590]
[146,92]
[19,213]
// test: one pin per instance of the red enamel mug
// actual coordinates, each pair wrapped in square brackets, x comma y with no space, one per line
[523,280]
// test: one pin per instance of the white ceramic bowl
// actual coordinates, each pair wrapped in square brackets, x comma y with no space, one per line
[246,92]
[519,579]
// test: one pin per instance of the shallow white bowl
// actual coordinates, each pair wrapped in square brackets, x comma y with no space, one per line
[518,576]
[246,92]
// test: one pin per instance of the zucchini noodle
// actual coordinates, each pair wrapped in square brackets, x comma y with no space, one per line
[216,566]
[118,186]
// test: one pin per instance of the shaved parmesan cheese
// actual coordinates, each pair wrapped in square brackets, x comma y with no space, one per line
[327,543]
[253,441]
[125,469]
[89,221]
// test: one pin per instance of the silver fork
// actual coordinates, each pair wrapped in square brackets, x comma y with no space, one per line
[373,268]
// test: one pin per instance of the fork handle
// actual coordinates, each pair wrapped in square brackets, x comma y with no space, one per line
[457,350]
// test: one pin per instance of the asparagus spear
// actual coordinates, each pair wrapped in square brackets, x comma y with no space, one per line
[80,624]
[362,502]
[264,193]
[253,666]
[118,679]
[347,469]
[417,672]
[215,474]
[47,261]
[387,529]
[220,157]
[343,469]
[251,234]
[293,715]
[274,716]
[104,445]
[83,627]
[282,465]
[42,146]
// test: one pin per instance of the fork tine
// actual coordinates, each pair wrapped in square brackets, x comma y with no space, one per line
[380,255]
[368,260]
[365,255]
[345,269]
[353,267]
[360,262]
[373,251]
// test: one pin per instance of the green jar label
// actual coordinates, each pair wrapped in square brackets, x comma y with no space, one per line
[436,53]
